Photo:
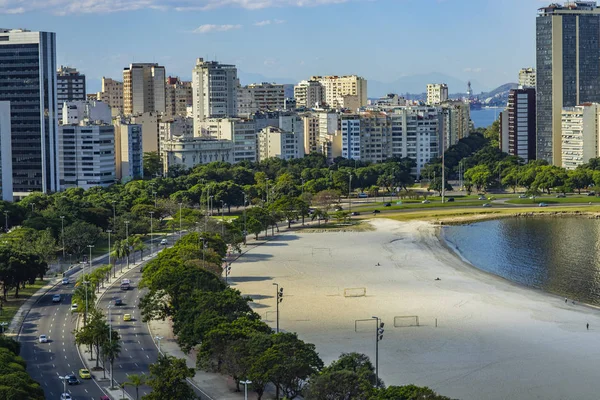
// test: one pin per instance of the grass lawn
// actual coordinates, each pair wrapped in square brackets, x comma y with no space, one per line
[554,200]
[410,204]
[227,218]
[485,213]
[11,306]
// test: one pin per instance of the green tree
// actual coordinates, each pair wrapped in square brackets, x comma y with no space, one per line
[79,235]
[136,381]
[168,379]
[110,351]
[480,176]
[579,179]
[152,164]
[409,392]
[15,383]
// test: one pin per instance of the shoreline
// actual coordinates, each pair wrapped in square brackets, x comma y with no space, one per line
[480,217]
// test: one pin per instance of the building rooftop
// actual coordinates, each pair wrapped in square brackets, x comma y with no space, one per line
[569,7]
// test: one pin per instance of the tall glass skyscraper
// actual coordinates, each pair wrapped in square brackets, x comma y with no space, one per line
[568,68]
[28,82]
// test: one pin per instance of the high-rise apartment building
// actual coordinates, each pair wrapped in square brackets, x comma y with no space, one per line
[70,86]
[309,94]
[456,122]
[75,112]
[276,142]
[28,81]
[335,88]
[311,132]
[437,93]
[240,131]
[527,77]
[178,97]
[6,185]
[260,97]
[129,152]
[144,88]
[579,135]
[87,155]
[567,65]
[112,94]
[521,124]
[214,91]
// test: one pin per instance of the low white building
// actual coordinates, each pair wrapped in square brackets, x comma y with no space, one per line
[86,155]
[276,142]
[74,112]
[579,134]
[188,152]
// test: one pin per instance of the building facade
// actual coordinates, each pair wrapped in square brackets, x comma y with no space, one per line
[87,155]
[70,86]
[579,134]
[6,185]
[521,123]
[144,88]
[527,77]
[260,97]
[214,88]
[309,94]
[188,152]
[112,94]
[129,152]
[310,121]
[28,82]
[178,97]
[336,87]
[567,65]
[437,93]
[456,122]
[75,112]
[275,142]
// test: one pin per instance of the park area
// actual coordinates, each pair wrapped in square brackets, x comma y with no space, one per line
[478,336]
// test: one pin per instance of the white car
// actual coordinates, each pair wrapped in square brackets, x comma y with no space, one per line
[43,339]
[56,298]
[65,396]
[164,242]
[65,281]
[74,307]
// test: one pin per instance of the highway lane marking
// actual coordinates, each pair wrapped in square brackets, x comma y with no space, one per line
[130,356]
[147,356]
[86,390]
[136,365]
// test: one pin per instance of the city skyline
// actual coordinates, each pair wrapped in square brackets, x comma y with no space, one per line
[409,45]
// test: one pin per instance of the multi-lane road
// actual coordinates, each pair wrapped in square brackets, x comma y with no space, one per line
[46,362]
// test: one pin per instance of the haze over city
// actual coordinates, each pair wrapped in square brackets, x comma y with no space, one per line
[485,41]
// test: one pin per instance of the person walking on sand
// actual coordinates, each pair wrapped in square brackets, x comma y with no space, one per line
[587,326]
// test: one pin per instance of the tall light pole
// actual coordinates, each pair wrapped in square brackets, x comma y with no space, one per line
[227,270]
[32,204]
[62,234]
[180,220]
[158,339]
[279,299]
[127,240]
[151,233]
[211,205]
[155,204]
[378,337]
[86,282]
[245,226]
[109,249]
[246,383]
[222,218]
[64,379]
[349,193]
[114,203]
[6,221]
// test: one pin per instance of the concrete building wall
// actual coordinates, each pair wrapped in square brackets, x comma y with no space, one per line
[75,112]
[6,185]
[275,142]
[335,87]
[579,134]
[309,94]
[437,93]
[144,89]
[194,151]
[527,77]
[129,151]
[522,123]
[112,94]
[70,85]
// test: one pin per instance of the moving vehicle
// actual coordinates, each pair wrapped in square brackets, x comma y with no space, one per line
[487,205]
[126,317]
[355,213]
[74,307]
[118,302]
[85,374]
[591,194]
[425,202]
[125,284]
[376,211]
[561,196]
[387,205]
[522,196]
[363,195]
[65,281]
[481,198]
[72,380]
[65,396]
[43,339]
[543,205]
[56,298]
[164,242]
[450,200]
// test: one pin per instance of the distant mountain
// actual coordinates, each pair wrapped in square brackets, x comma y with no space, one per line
[417,84]
[247,78]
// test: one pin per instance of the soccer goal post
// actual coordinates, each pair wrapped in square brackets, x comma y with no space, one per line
[355,292]
[401,321]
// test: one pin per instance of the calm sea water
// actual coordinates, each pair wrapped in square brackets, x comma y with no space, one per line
[485,117]
[558,255]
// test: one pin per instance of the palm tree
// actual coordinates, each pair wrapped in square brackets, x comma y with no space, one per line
[136,381]
[110,351]
[134,242]
[120,250]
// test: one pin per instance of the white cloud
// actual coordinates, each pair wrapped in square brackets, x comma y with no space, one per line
[269,22]
[207,28]
[65,7]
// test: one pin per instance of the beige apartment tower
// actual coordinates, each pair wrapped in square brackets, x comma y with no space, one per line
[144,89]
[337,88]
[437,93]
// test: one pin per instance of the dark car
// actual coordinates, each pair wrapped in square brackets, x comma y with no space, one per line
[355,213]
[387,205]
[118,302]
[591,194]
[376,211]
[72,380]
[450,200]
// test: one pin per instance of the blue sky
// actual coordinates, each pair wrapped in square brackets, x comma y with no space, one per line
[486,41]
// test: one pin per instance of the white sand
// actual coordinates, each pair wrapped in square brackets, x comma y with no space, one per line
[494,340]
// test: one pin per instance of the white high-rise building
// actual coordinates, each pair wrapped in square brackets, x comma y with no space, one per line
[527,77]
[214,89]
[30,87]
[87,155]
[456,118]
[437,93]
[580,127]
[337,89]
[309,94]
[75,112]
[144,88]
[6,184]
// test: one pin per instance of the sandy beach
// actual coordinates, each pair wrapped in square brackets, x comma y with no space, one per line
[493,340]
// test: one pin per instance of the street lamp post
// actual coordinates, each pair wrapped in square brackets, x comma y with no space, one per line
[151,233]
[6,221]
[32,204]
[127,240]
[109,251]
[222,219]
[180,220]
[155,204]
[245,227]
[90,246]
[64,379]
[350,193]
[246,383]
[378,337]
[114,203]
[158,339]
[227,270]
[279,299]
[211,205]
[62,234]
[267,182]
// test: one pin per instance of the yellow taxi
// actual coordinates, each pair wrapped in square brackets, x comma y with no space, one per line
[126,317]
[85,374]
